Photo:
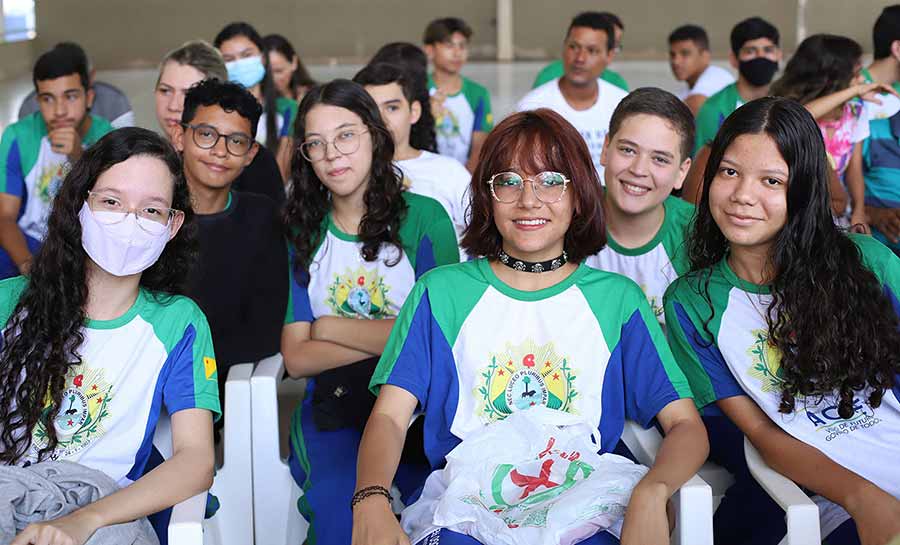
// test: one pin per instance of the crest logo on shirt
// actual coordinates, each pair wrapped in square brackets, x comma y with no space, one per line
[765,362]
[655,302]
[50,180]
[79,421]
[523,376]
[359,293]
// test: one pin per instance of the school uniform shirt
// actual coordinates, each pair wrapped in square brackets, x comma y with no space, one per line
[466,112]
[341,283]
[442,178]
[32,171]
[735,358]
[556,69]
[656,264]
[158,353]
[285,113]
[881,168]
[473,350]
[593,123]
[889,103]
[713,113]
[710,82]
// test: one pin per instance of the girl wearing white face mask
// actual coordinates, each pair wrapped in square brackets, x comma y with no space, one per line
[243,50]
[102,306]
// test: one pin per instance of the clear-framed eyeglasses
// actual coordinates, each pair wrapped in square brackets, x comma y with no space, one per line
[206,137]
[346,142]
[549,187]
[109,209]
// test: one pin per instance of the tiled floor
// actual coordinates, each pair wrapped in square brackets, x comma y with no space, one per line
[507,82]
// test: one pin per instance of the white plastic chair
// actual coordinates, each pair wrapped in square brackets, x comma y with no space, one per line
[275,493]
[801,513]
[233,522]
[694,500]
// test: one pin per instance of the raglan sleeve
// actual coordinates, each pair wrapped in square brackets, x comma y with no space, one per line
[192,379]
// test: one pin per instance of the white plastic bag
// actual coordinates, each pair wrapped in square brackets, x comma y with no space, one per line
[533,478]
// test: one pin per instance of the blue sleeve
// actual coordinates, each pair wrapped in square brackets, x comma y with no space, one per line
[189,375]
[13,181]
[299,308]
[285,123]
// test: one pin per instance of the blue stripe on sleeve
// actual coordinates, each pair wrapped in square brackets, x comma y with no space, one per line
[647,385]
[302,308]
[15,178]
[425,260]
[285,123]
[426,369]
[479,124]
[723,382]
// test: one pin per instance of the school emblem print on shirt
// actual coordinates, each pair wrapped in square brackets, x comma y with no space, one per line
[50,180]
[765,362]
[523,376]
[79,421]
[359,293]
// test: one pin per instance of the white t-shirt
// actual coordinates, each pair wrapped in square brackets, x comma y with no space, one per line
[593,123]
[710,82]
[442,178]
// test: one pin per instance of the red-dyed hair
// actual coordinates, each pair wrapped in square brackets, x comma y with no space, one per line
[536,141]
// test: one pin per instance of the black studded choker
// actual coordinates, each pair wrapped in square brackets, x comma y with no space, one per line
[532,266]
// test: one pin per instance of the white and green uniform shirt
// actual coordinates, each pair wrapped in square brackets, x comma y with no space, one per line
[341,283]
[656,264]
[442,178]
[730,356]
[473,350]
[158,354]
[32,171]
[466,112]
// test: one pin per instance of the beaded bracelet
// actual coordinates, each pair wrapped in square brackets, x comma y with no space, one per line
[364,493]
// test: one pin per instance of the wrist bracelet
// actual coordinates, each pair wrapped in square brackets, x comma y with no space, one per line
[364,493]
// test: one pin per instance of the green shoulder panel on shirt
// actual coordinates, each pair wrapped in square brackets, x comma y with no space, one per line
[479,100]
[613,299]
[174,313]
[26,134]
[426,217]
[453,291]
[284,104]
[879,259]
[99,128]
[556,69]
[10,291]
[713,113]
[679,214]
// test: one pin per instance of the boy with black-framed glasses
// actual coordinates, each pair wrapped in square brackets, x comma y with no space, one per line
[241,281]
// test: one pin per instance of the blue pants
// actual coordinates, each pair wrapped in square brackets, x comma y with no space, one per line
[447,537]
[8,269]
[323,463]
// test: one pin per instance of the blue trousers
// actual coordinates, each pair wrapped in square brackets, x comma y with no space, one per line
[447,537]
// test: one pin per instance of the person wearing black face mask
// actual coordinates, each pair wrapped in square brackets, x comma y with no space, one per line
[755,54]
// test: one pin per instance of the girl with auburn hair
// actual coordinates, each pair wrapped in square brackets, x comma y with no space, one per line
[536,214]
[359,242]
[790,326]
[97,339]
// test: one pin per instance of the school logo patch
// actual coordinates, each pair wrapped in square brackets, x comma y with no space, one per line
[359,293]
[50,180]
[523,376]
[79,421]
[765,362]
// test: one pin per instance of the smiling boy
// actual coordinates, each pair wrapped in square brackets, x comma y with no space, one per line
[647,155]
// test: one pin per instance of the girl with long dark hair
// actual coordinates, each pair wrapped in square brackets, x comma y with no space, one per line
[527,325]
[290,76]
[97,339]
[789,325]
[359,243]
[244,52]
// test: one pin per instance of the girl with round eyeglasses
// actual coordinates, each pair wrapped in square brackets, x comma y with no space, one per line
[359,242]
[97,340]
[470,335]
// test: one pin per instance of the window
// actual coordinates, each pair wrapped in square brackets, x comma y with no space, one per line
[17,22]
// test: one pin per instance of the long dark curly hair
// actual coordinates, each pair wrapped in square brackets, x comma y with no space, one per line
[834,326]
[44,334]
[823,64]
[310,201]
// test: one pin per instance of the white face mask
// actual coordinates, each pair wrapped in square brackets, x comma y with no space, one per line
[122,248]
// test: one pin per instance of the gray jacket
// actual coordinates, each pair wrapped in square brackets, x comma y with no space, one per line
[49,490]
